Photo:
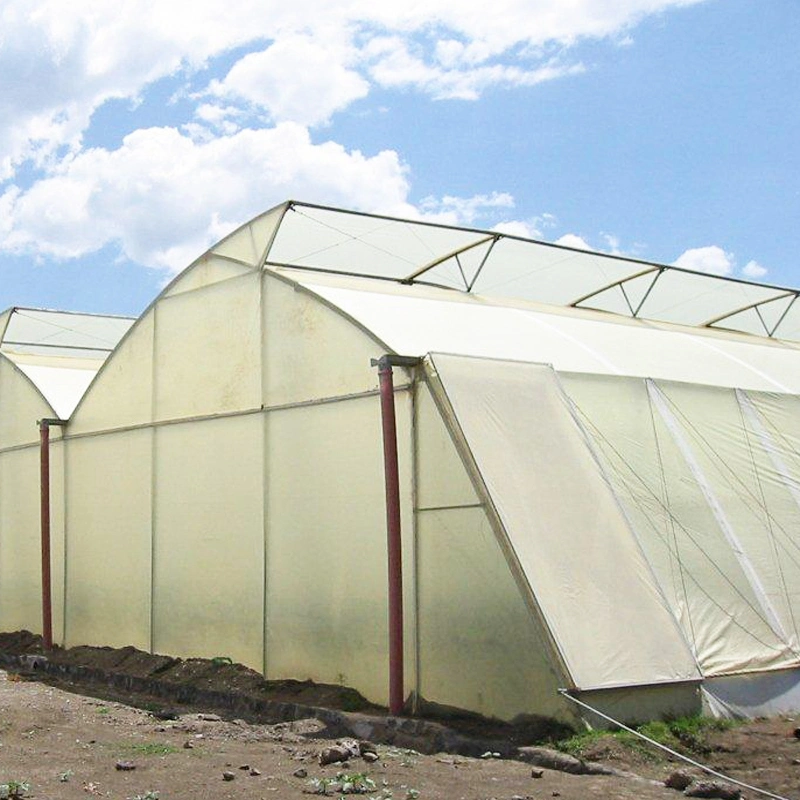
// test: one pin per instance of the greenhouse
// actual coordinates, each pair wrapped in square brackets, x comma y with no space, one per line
[597,483]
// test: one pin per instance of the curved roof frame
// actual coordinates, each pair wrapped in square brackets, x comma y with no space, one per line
[325,239]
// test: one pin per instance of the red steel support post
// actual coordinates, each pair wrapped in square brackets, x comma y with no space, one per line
[44,467]
[44,480]
[394,540]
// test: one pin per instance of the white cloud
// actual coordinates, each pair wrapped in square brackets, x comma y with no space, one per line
[752,269]
[61,61]
[712,259]
[163,197]
[450,210]
[573,240]
[526,230]
[297,79]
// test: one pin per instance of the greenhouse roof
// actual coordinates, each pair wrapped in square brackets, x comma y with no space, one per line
[494,264]
[60,351]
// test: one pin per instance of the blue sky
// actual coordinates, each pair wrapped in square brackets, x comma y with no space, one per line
[133,136]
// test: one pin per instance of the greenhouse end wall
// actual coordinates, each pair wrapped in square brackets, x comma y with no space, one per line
[238,509]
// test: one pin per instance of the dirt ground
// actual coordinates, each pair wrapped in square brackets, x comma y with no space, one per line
[65,745]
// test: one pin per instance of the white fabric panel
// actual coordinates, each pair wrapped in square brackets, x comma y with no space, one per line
[757,506]
[573,543]
[208,540]
[720,513]
[209,349]
[345,242]
[208,270]
[20,551]
[471,610]
[58,331]
[123,391]
[310,350]
[22,406]
[330,239]
[326,544]
[249,242]
[757,695]
[62,387]
[694,563]
[570,340]
[442,479]
[109,481]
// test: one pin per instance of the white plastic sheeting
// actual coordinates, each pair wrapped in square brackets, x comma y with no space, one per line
[711,512]
[60,352]
[416,320]
[585,569]
[494,264]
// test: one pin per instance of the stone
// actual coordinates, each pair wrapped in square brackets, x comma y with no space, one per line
[188,745]
[125,766]
[537,773]
[370,757]
[300,773]
[254,772]
[210,717]
[553,759]
[365,747]
[679,780]
[714,789]
[228,775]
[340,752]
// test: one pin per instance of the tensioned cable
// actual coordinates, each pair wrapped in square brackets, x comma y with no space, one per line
[758,612]
[546,268]
[64,328]
[708,770]
[663,476]
[351,238]
[721,513]
[772,539]
[780,435]
[684,529]
[729,469]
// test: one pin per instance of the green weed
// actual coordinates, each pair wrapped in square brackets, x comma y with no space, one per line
[13,789]
[688,735]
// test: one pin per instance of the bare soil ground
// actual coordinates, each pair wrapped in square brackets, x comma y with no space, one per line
[65,745]
[64,732]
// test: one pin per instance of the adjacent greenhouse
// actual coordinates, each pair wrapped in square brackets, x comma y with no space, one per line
[47,359]
[599,473]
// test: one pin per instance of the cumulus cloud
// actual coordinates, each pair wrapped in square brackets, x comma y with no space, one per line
[394,65]
[163,197]
[450,210]
[573,240]
[711,259]
[297,79]
[61,62]
[716,261]
[241,138]
[754,270]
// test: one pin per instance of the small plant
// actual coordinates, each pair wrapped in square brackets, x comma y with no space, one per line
[218,661]
[344,783]
[103,710]
[65,776]
[13,789]
[151,795]
[412,794]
